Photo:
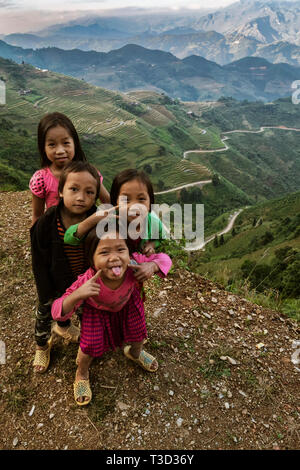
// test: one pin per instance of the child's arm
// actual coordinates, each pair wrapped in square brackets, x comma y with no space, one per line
[75,234]
[38,208]
[159,263]
[156,233]
[64,307]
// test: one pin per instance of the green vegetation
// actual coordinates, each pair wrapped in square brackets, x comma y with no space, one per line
[150,131]
[261,258]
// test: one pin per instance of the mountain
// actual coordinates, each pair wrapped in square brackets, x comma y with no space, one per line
[259,29]
[242,29]
[191,79]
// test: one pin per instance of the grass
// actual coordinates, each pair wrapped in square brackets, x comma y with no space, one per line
[214,367]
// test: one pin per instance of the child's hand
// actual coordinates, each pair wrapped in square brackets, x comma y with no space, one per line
[149,249]
[144,271]
[90,288]
[102,213]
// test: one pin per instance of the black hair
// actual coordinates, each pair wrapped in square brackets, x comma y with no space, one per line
[50,121]
[92,240]
[79,167]
[129,175]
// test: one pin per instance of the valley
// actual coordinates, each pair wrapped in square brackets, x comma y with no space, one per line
[194,152]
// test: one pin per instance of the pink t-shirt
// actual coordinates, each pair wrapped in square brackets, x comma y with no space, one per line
[44,185]
[108,299]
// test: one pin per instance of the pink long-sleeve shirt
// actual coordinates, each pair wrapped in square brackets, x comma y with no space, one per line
[109,299]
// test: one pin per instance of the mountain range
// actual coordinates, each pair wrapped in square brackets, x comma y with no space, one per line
[191,79]
[267,29]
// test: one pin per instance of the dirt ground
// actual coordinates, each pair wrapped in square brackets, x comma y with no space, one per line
[225,380]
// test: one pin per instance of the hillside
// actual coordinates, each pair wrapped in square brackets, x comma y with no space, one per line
[151,131]
[117,131]
[262,253]
[225,378]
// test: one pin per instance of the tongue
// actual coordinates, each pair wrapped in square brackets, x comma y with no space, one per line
[116,271]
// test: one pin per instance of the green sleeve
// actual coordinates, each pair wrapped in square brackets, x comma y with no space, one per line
[70,238]
[155,228]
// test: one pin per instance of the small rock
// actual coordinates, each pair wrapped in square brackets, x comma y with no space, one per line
[207,315]
[15,441]
[51,415]
[214,300]
[31,411]
[40,425]
[156,388]
[122,406]
[157,312]
[227,406]
[179,422]
[171,393]
[232,361]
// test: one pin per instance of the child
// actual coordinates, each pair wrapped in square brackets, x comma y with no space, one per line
[113,312]
[136,187]
[55,265]
[58,144]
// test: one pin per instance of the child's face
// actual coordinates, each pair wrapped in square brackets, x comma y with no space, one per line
[79,192]
[59,147]
[136,192]
[112,257]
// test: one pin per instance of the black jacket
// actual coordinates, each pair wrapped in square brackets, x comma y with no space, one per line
[50,265]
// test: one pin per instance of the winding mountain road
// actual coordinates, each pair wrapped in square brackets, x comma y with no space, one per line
[233,217]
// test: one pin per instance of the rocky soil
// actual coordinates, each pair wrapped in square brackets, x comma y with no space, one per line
[226,378]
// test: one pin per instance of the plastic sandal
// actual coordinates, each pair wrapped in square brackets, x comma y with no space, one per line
[82,389]
[42,357]
[70,335]
[145,359]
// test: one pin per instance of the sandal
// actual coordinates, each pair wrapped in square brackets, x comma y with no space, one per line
[70,335]
[82,389]
[145,360]
[42,357]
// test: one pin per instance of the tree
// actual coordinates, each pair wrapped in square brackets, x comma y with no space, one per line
[215,180]
[148,168]
[216,241]
[233,232]
[222,241]
[161,185]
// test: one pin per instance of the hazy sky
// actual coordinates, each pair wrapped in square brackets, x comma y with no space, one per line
[109,4]
[15,15]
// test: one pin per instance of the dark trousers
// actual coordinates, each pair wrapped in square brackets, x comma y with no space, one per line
[43,320]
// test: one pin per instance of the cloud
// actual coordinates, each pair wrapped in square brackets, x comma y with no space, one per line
[6,3]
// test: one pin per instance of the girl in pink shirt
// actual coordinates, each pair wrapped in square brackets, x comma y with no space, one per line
[113,312]
[58,144]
